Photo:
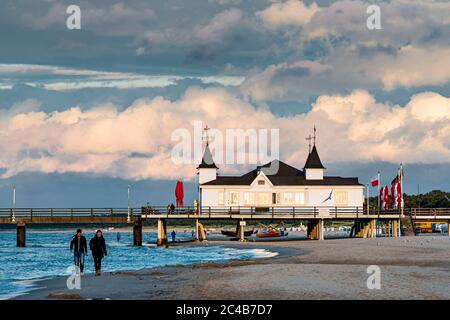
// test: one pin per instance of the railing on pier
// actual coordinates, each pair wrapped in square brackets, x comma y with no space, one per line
[436,213]
[68,212]
[149,212]
[283,210]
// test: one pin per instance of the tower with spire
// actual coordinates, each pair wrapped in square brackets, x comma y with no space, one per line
[207,169]
[313,168]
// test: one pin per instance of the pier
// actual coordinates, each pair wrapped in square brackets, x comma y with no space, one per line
[364,222]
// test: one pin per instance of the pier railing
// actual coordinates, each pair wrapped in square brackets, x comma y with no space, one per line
[152,212]
[295,211]
[69,212]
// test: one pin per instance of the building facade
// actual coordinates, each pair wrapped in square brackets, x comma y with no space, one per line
[277,184]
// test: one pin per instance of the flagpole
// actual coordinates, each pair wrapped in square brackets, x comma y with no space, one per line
[368,197]
[401,188]
[379,186]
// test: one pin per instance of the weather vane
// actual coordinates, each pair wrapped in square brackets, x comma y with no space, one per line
[206,135]
[314,137]
[309,140]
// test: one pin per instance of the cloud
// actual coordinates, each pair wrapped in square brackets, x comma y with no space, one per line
[76,79]
[288,13]
[413,67]
[102,20]
[287,80]
[218,27]
[105,140]
[411,50]
[384,67]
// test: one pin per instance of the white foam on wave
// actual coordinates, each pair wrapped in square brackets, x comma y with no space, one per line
[263,253]
[255,253]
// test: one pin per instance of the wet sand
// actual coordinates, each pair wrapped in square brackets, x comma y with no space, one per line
[411,268]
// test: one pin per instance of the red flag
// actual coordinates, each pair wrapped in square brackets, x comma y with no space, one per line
[381,199]
[179,193]
[399,195]
[394,194]
[386,198]
[374,181]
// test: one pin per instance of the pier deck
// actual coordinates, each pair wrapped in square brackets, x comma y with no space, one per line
[125,215]
[364,221]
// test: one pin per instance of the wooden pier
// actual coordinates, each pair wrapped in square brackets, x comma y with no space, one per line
[365,222]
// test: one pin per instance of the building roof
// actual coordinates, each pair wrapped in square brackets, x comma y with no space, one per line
[207,160]
[313,160]
[285,176]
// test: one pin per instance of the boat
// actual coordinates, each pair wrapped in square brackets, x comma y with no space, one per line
[229,233]
[271,231]
[271,234]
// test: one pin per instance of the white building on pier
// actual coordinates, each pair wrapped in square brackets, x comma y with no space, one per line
[287,187]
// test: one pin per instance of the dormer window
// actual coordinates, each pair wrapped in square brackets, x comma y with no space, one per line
[261,182]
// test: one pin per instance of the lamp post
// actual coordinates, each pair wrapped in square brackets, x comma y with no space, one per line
[129,209]
[368,197]
[14,205]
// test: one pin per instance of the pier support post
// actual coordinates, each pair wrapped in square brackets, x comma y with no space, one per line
[364,229]
[162,232]
[373,228]
[197,238]
[21,234]
[394,229]
[137,233]
[315,230]
[321,235]
[240,232]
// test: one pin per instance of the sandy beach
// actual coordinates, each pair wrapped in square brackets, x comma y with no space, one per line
[411,268]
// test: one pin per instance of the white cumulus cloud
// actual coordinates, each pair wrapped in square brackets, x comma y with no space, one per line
[105,140]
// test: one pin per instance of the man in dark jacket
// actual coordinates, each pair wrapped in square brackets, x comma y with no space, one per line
[79,248]
[98,248]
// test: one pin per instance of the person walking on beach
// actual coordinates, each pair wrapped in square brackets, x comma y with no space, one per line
[98,248]
[79,248]
[173,235]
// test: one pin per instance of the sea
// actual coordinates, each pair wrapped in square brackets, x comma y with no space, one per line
[47,255]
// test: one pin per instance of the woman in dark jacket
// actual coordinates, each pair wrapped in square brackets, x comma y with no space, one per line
[98,248]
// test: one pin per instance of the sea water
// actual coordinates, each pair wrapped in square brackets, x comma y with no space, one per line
[47,254]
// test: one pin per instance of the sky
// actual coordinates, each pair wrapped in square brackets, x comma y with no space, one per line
[85,113]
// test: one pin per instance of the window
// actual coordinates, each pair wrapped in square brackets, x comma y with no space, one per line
[263,199]
[341,199]
[261,182]
[249,198]
[221,200]
[288,198]
[234,198]
[299,198]
[275,198]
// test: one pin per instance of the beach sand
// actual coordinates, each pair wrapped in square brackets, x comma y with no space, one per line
[411,268]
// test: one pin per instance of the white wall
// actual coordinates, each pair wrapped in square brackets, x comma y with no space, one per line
[206,175]
[314,196]
[314,174]
[210,197]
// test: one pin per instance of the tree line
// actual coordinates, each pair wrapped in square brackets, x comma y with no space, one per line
[432,199]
